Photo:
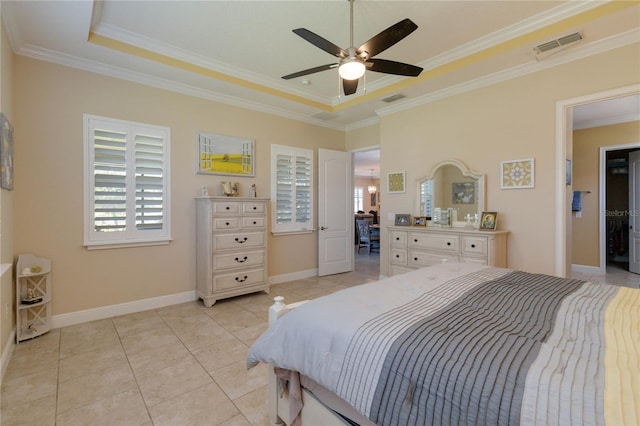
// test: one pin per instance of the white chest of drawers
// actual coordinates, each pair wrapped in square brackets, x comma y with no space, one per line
[231,247]
[414,247]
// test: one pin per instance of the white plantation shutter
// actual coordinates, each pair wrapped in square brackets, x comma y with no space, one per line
[126,183]
[292,189]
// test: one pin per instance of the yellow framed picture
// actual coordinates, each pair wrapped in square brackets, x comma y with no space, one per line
[224,155]
[395,182]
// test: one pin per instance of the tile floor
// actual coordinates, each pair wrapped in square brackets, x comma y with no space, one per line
[179,365]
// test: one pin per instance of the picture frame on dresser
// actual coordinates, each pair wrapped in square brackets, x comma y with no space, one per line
[402,219]
[419,221]
[488,221]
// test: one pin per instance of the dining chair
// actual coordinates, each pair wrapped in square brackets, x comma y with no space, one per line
[365,239]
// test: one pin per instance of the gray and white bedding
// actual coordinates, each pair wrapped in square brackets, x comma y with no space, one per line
[469,344]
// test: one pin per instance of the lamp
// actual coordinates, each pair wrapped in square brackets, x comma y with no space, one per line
[351,68]
[372,188]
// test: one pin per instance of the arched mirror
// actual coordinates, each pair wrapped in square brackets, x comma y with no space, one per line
[451,185]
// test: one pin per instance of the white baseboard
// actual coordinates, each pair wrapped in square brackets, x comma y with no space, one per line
[586,269]
[72,318]
[6,353]
[300,275]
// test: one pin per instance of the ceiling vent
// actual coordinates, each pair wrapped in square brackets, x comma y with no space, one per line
[393,98]
[545,49]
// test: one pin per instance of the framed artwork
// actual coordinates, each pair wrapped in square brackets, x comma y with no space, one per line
[395,182]
[568,173]
[488,221]
[516,174]
[419,221]
[224,155]
[6,153]
[403,219]
[463,193]
[373,199]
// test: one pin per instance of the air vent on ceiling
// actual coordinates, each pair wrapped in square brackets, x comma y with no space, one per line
[326,116]
[546,48]
[393,98]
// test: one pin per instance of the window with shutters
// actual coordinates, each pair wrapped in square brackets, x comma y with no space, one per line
[291,189]
[126,183]
[358,199]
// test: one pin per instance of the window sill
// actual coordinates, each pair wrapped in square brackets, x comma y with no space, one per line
[122,244]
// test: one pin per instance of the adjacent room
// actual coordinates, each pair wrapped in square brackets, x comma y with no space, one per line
[446,187]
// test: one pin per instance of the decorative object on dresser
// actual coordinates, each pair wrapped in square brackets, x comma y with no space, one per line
[230,189]
[33,296]
[231,247]
[515,174]
[224,155]
[402,220]
[415,247]
[489,221]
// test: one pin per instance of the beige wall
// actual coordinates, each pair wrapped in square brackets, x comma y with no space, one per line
[506,121]
[49,103]
[586,175]
[7,315]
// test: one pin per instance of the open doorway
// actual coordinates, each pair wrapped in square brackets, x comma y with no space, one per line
[604,113]
[366,207]
[618,201]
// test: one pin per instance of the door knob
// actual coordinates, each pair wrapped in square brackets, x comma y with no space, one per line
[322,228]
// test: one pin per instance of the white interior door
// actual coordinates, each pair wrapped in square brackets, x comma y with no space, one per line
[335,212]
[634,212]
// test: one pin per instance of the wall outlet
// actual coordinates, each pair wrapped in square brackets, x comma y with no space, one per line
[578,215]
[7,310]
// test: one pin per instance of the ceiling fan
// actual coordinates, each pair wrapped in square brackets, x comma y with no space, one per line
[354,62]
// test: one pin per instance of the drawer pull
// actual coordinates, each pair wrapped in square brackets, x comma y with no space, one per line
[415,258]
[397,238]
[255,223]
[397,256]
[241,280]
[227,208]
[227,223]
[473,246]
[415,240]
[448,243]
[241,242]
[241,260]
[255,208]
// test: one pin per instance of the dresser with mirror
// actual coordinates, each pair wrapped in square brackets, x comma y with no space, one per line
[453,188]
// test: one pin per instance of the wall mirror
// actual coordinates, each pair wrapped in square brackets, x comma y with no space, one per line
[452,185]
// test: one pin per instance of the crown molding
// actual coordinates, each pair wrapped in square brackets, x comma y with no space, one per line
[566,56]
[59,58]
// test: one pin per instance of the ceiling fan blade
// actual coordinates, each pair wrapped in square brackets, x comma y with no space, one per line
[393,67]
[320,42]
[388,37]
[310,71]
[349,86]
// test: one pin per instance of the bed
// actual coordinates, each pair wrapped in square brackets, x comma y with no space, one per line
[457,344]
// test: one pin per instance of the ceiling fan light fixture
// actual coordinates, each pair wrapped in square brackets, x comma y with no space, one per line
[351,69]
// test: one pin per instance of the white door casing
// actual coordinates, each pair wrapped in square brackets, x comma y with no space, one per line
[335,212]
[634,212]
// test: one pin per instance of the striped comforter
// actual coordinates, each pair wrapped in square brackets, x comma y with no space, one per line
[466,344]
